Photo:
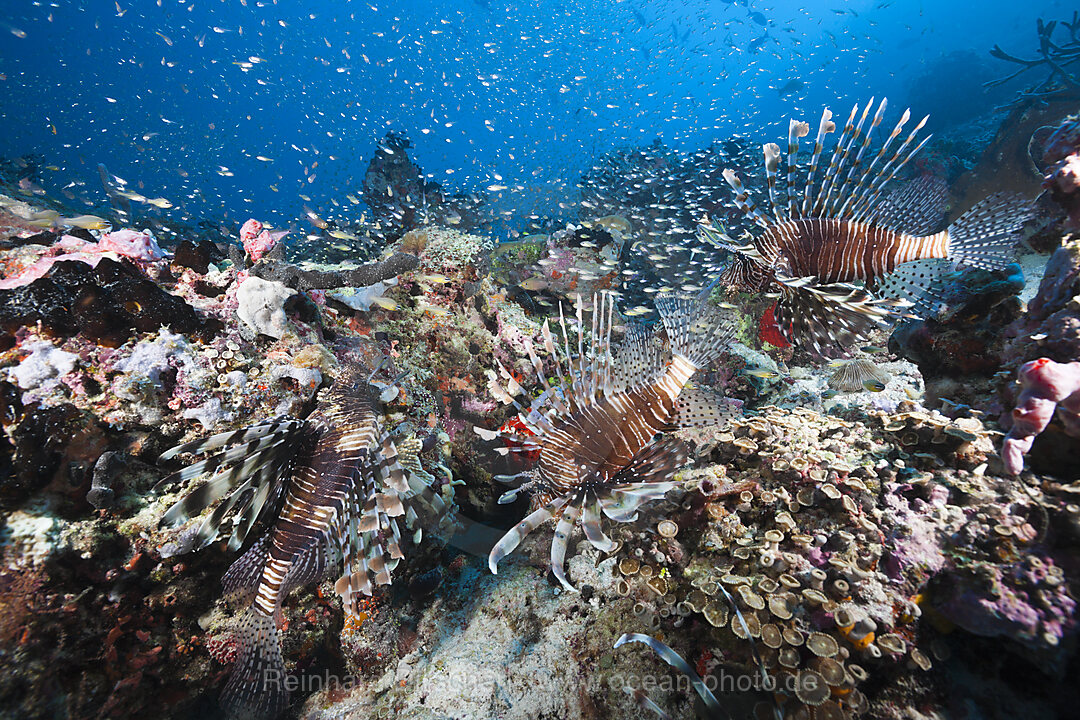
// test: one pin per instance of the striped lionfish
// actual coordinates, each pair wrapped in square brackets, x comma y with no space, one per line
[595,429]
[331,485]
[845,231]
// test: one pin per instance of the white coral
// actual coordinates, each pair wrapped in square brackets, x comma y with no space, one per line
[45,362]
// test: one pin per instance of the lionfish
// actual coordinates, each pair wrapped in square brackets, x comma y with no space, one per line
[846,230]
[595,429]
[333,485]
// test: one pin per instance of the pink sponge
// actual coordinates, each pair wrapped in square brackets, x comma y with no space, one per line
[258,241]
[1047,385]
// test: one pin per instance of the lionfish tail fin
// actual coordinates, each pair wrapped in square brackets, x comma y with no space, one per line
[835,315]
[696,331]
[257,687]
[985,236]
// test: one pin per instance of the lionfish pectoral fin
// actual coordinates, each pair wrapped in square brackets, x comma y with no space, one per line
[675,660]
[260,459]
[559,541]
[655,463]
[590,523]
[698,407]
[985,236]
[513,537]
[508,497]
[257,687]
[832,315]
[232,437]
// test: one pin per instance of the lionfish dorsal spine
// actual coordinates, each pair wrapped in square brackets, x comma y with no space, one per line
[886,175]
[843,194]
[772,162]
[841,155]
[851,198]
[796,129]
[834,161]
[743,200]
[825,126]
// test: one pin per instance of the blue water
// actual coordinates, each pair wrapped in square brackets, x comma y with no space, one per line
[181,98]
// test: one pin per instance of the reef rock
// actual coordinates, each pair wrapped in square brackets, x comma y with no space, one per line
[1050,330]
[107,303]
[1062,162]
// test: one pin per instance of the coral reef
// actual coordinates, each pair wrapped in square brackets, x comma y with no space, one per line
[1061,159]
[866,541]
[1043,339]
[106,303]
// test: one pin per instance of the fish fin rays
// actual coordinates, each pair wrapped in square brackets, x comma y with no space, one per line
[249,691]
[696,331]
[251,477]
[698,407]
[832,315]
[985,236]
[920,283]
[915,208]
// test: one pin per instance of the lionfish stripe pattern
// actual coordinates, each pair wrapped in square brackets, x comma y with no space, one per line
[847,229]
[334,487]
[594,425]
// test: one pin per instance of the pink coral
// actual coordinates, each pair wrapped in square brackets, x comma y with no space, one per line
[257,240]
[138,246]
[1047,386]
[131,244]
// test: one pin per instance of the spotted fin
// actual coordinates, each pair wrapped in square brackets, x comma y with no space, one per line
[696,330]
[242,578]
[657,462]
[256,688]
[919,282]
[985,236]
[698,407]
[916,208]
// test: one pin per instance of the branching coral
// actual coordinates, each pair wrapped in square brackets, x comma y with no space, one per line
[1057,57]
